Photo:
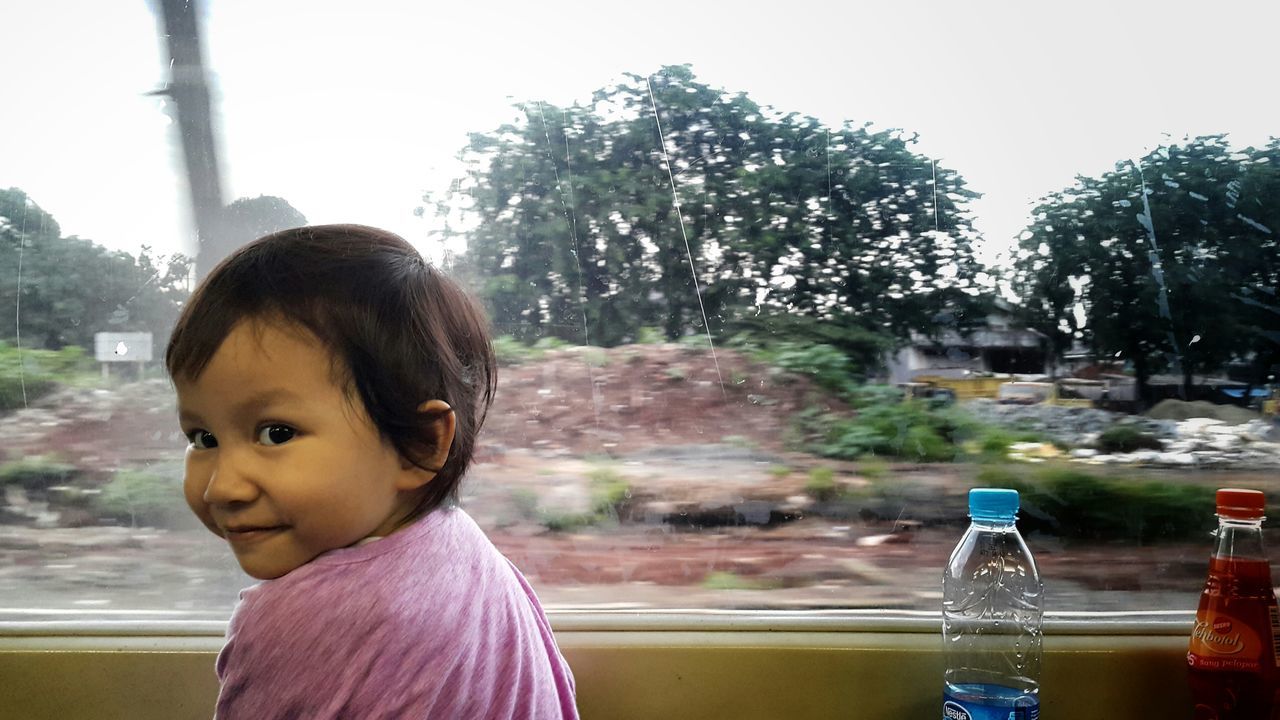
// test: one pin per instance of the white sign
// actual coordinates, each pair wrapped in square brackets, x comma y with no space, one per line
[122,347]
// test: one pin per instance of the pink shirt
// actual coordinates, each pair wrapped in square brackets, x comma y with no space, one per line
[428,622]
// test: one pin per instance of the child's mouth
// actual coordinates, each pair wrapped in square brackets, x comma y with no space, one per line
[249,535]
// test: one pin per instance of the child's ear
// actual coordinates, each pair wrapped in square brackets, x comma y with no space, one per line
[440,437]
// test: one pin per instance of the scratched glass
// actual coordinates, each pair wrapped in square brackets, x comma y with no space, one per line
[771,289]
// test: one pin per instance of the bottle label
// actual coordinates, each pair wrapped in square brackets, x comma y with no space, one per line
[1222,642]
[954,708]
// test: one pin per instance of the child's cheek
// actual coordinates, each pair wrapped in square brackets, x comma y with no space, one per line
[193,491]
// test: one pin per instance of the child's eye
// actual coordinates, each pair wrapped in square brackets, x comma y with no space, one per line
[276,434]
[202,439]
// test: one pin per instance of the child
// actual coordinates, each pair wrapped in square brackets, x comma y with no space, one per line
[331,384]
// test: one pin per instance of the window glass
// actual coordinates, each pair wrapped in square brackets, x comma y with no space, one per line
[772,286]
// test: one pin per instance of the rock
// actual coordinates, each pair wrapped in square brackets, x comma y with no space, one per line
[1179,458]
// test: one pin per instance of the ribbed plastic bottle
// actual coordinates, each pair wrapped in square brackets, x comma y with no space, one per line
[992,608]
[1232,658]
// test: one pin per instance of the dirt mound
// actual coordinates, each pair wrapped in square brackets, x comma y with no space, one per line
[1181,410]
[611,401]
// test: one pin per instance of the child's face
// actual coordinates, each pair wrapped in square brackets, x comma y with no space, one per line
[282,463]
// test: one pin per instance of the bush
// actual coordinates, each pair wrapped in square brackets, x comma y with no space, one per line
[610,493]
[648,335]
[610,499]
[724,580]
[994,441]
[905,430]
[821,485]
[525,502]
[568,522]
[825,365]
[510,351]
[1075,504]
[36,473]
[1126,438]
[143,498]
[873,468]
[27,375]
[549,343]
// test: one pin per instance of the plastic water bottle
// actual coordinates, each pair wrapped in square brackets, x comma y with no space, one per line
[992,607]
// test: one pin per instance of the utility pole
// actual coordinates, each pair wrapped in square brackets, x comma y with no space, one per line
[188,88]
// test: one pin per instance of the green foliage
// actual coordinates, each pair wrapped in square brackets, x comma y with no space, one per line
[595,357]
[610,498]
[245,220]
[1182,243]
[571,217]
[873,468]
[725,580]
[906,430]
[36,473]
[821,485]
[778,472]
[825,365]
[71,288]
[649,336]
[143,498]
[994,441]
[568,522]
[882,424]
[1126,438]
[510,351]
[525,502]
[1078,505]
[550,343]
[770,334]
[27,375]
[610,492]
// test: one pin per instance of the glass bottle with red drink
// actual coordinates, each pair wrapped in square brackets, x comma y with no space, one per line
[1232,658]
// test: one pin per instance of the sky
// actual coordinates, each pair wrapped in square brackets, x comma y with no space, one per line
[350,111]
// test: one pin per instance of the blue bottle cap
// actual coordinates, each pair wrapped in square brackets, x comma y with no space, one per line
[998,504]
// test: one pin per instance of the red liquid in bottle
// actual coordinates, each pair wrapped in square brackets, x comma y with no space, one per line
[1232,655]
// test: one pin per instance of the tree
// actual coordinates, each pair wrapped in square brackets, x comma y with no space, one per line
[65,289]
[1157,256]
[668,203]
[1255,199]
[243,221]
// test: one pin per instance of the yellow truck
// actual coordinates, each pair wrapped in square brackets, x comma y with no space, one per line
[1063,393]
[964,388]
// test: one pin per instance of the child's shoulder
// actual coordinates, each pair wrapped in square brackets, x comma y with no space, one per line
[438,549]
[442,574]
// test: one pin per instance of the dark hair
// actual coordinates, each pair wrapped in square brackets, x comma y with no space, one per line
[401,333]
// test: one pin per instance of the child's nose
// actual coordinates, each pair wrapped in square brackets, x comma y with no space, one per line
[231,480]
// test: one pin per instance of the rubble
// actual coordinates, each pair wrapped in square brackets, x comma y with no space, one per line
[1190,443]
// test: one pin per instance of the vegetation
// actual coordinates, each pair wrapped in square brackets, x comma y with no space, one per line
[1078,505]
[1126,438]
[37,473]
[821,485]
[573,230]
[1173,258]
[725,580]
[71,288]
[610,500]
[142,498]
[610,493]
[28,375]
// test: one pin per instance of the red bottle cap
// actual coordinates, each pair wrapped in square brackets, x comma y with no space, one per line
[1242,504]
